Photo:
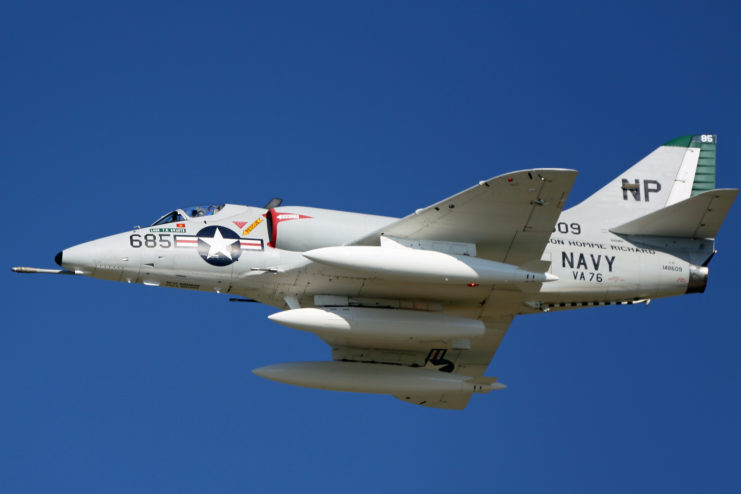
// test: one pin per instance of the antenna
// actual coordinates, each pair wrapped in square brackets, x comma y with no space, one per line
[274,203]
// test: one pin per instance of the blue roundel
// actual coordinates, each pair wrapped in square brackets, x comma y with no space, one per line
[218,245]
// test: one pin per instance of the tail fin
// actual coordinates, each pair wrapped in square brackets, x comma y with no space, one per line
[681,168]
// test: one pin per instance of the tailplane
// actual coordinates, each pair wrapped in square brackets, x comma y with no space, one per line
[697,217]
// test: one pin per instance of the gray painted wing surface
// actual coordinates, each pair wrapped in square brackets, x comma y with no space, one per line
[509,217]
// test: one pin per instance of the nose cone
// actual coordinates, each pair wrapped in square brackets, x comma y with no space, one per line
[107,258]
[77,258]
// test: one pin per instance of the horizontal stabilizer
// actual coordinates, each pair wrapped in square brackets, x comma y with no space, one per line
[697,217]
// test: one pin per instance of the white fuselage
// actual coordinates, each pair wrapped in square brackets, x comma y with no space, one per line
[589,266]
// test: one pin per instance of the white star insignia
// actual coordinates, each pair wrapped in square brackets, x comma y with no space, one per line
[219,245]
[430,365]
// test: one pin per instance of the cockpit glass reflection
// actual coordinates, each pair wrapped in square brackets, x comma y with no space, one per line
[189,212]
[169,218]
[198,211]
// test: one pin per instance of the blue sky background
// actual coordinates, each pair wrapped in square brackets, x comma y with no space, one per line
[113,115]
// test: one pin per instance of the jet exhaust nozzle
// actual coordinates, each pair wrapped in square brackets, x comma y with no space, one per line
[698,279]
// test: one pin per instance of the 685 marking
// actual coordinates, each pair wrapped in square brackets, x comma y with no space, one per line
[150,240]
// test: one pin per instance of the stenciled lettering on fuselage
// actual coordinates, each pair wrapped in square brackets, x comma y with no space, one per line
[252,226]
[218,245]
[649,187]
[168,230]
[587,267]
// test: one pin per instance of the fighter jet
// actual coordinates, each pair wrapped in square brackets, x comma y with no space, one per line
[416,307]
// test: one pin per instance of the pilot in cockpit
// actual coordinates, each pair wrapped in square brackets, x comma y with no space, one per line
[192,212]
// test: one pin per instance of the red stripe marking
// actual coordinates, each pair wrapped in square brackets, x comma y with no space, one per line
[187,241]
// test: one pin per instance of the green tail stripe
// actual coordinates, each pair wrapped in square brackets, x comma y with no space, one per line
[705,173]
[680,142]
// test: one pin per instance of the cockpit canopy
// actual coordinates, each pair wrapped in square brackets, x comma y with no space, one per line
[198,211]
[188,213]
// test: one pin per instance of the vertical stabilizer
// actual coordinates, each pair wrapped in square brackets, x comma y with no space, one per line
[681,168]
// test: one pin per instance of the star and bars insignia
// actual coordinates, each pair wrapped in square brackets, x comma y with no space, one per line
[436,360]
[218,245]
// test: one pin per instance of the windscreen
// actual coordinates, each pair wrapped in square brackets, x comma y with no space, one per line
[169,218]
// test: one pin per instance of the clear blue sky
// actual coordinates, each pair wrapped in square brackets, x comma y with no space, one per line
[114,115]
